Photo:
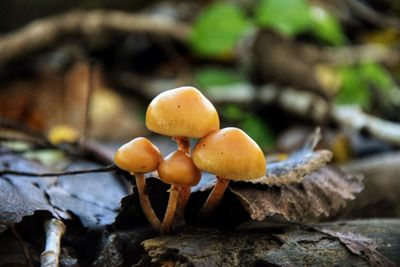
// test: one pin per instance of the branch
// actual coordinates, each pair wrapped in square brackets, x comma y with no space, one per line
[362,10]
[91,25]
[353,117]
[54,229]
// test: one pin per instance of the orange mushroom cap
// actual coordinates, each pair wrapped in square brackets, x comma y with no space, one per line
[183,111]
[230,153]
[178,168]
[139,155]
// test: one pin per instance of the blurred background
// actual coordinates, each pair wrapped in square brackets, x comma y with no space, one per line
[276,69]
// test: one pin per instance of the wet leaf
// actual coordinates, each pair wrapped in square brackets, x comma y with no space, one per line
[324,191]
[93,198]
[22,196]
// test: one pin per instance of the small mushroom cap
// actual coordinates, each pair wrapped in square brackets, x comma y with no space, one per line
[183,111]
[139,155]
[230,153]
[178,168]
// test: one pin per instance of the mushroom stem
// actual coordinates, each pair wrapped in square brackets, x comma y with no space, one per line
[183,200]
[145,201]
[214,198]
[171,209]
[54,231]
[183,143]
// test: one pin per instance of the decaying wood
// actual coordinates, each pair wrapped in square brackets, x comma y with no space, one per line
[263,244]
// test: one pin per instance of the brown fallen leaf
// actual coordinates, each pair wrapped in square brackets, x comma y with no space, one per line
[324,191]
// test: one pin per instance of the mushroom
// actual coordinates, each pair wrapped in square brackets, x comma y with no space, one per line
[231,155]
[138,157]
[182,113]
[178,170]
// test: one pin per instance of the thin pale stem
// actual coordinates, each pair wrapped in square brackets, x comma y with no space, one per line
[214,198]
[54,229]
[145,202]
[171,209]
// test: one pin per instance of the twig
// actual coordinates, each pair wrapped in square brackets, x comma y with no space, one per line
[54,231]
[9,124]
[109,168]
[353,117]
[348,55]
[88,148]
[372,16]
[91,25]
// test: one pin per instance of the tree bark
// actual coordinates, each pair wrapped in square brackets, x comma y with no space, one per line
[365,243]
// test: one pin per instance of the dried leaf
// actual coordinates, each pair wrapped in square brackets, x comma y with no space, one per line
[324,191]
[361,245]
[292,170]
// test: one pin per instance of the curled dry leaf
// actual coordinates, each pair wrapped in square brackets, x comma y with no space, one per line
[292,170]
[324,191]
[295,168]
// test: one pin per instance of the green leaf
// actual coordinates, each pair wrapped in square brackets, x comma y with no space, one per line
[354,88]
[326,27]
[356,81]
[258,130]
[217,29]
[233,112]
[376,75]
[288,17]
[214,76]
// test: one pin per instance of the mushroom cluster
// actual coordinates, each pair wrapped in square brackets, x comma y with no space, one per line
[229,153]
